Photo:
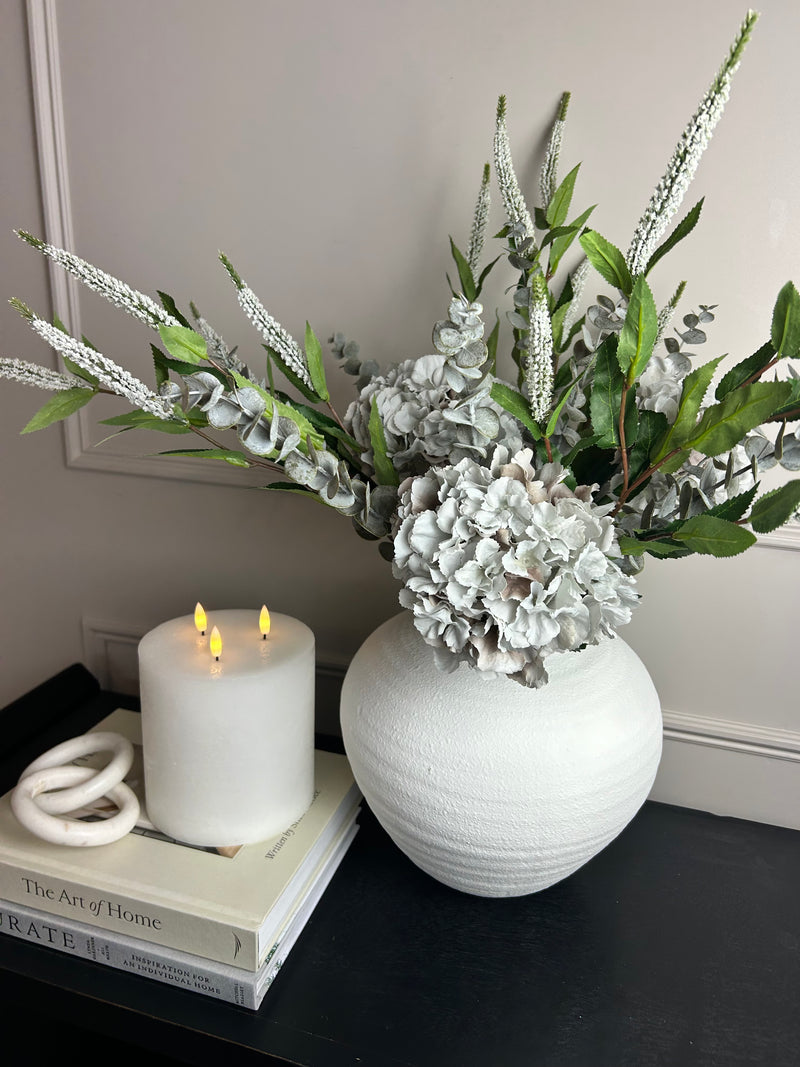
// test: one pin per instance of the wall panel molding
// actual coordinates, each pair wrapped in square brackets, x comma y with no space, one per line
[47,87]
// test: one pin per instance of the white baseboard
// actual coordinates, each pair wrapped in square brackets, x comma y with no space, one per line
[730,768]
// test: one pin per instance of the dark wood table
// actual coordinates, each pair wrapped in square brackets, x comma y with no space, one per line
[679,945]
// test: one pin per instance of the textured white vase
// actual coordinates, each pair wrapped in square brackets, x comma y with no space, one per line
[492,788]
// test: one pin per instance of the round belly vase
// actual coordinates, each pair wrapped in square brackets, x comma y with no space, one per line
[489,787]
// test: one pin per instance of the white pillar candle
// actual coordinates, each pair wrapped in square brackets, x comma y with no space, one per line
[228,743]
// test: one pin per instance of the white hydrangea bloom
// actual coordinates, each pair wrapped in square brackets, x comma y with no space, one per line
[429,416]
[504,565]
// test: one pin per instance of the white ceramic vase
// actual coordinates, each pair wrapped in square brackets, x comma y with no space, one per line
[492,788]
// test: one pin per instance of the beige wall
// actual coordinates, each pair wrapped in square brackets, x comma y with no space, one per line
[330,149]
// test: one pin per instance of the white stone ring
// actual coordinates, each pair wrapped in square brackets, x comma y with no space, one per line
[37,808]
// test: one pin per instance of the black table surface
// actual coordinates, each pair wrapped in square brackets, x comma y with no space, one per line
[678,945]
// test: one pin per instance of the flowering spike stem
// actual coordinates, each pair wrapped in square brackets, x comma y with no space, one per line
[479,221]
[548,179]
[514,202]
[681,168]
[137,304]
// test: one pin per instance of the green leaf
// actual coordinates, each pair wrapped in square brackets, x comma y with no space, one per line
[791,407]
[561,244]
[183,343]
[464,272]
[143,420]
[58,407]
[305,390]
[639,331]
[734,508]
[551,422]
[607,260]
[683,229]
[774,509]
[785,335]
[725,424]
[556,233]
[491,346]
[630,546]
[315,366]
[171,307]
[652,427]
[484,274]
[236,459]
[745,370]
[293,487]
[80,372]
[516,404]
[712,536]
[695,387]
[606,398]
[384,470]
[558,208]
[328,427]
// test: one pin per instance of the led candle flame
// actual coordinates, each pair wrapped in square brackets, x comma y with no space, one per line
[215,643]
[264,622]
[200,617]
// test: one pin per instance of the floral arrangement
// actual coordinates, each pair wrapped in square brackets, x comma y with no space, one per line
[517,513]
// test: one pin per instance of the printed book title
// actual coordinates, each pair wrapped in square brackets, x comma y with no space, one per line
[97,907]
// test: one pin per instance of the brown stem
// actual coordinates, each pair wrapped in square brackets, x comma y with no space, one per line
[758,373]
[622,443]
[548,449]
[643,478]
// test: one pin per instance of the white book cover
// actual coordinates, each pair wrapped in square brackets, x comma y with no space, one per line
[221,904]
[182,969]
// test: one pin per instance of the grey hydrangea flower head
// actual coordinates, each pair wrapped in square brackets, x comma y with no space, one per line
[504,565]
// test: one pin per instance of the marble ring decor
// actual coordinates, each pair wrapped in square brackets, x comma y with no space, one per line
[52,792]
[490,787]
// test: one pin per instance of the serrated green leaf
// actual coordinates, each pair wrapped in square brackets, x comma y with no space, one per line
[558,208]
[557,233]
[712,536]
[171,307]
[236,459]
[683,229]
[384,469]
[58,407]
[725,424]
[785,334]
[316,368]
[745,370]
[695,387]
[464,272]
[516,404]
[663,549]
[790,409]
[639,331]
[607,260]
[735,507]
[774,509]
[305,390]
[652,427]
[183,343]
[606,398]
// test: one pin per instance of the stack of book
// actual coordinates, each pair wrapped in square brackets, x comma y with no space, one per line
[217,921]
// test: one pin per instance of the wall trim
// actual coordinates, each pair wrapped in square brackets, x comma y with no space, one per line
[79,450]
[749,738]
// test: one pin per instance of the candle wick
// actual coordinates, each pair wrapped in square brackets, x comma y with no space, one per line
[216,658]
